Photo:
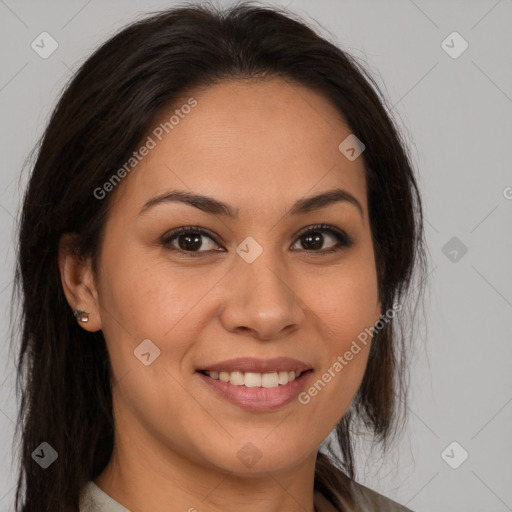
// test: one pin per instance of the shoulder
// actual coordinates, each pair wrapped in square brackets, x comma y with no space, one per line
[93,499]
[351,496]
[367,499]
[86,501]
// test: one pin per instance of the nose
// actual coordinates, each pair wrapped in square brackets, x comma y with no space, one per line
[261,300]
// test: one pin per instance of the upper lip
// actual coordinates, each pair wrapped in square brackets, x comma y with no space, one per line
[253,364]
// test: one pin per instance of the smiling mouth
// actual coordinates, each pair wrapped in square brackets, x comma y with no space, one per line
[254,379]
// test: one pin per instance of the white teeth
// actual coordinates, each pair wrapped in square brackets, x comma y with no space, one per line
[256,380]
[237,378]
[270,380]
[252,380]
[283,377]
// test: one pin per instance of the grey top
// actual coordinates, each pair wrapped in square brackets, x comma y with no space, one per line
[93,499]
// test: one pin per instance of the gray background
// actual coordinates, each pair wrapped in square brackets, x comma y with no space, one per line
[456,114]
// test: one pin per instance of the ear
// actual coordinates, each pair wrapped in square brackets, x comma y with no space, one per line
[78,282]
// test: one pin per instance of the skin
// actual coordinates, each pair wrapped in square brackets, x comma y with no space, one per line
[259,146]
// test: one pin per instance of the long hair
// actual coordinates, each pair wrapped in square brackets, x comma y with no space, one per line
[64,381]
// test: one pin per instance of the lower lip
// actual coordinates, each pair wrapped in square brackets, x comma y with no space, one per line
[258,399]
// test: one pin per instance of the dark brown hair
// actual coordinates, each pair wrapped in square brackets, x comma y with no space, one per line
[64,375]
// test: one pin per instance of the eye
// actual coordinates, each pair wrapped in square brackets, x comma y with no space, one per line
[313,238]
[188,239]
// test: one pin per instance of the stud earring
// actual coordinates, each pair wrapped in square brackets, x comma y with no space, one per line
[81,316]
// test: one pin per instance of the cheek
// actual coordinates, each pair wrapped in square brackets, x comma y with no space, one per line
[346,300]
[153,299]
[346,310]
[160,303]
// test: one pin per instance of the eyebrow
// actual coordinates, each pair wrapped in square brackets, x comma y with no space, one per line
[215,207]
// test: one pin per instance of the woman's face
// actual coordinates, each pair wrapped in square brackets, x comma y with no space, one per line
[249,280]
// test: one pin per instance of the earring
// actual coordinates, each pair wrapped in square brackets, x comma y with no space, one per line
[81,316]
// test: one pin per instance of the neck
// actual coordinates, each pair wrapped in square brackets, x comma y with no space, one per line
[144,477]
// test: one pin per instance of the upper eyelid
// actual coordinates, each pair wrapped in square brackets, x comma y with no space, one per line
[205,232]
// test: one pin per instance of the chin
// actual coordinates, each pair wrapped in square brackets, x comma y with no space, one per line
[261,457]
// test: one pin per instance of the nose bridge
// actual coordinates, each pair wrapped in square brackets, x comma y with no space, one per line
[266,280]
[260,296]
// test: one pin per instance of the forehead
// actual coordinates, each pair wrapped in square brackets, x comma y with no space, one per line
[248,143]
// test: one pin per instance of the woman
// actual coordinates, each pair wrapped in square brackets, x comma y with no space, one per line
[218,235]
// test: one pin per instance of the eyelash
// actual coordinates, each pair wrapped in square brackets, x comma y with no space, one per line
[344,241]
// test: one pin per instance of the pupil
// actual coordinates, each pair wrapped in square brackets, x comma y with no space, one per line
[314,240]
[189,242]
